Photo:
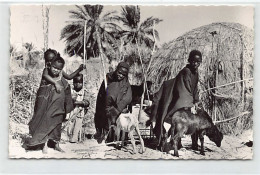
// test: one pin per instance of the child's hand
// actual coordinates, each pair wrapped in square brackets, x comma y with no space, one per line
[58,87]
[82,66]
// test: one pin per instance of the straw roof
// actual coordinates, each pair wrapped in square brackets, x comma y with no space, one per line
[227,50]
[223,45]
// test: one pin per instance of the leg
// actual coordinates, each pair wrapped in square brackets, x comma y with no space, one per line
[179,143]
[45,148]
[55,136]
[140,138]
[132,140]
[194,138]
[117,134]
[202,152]
[57,147]
[175,142]
[179,140]
[123,138]
[80,134]
[179,133]
[76,130]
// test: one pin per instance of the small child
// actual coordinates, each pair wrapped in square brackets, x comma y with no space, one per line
[49,55]
[50,109]
[80,108]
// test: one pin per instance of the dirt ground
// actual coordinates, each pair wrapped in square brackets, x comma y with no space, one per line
[233,147]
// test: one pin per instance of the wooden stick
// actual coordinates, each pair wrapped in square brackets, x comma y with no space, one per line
[84,61]
[145,85]
[154,44]
[115,142]
[228,84]
[226,120]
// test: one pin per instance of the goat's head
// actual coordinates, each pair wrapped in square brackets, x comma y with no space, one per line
[214,135]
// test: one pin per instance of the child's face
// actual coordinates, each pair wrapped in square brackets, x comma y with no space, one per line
[78,86]
[56,69]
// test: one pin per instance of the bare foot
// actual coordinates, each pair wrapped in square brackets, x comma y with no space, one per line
[57,148]
[45,149]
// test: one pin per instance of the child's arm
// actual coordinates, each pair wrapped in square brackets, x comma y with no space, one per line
[84,102]
[47,77]
[72,75]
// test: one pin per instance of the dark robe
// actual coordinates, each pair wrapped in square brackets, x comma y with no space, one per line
[112,101]
[174,94]
[49,112]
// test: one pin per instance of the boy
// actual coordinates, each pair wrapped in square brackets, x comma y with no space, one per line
[80,108]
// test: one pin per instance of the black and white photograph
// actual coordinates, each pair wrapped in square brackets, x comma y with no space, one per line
[93,81]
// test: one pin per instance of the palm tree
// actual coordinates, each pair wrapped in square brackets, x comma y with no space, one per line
[136,32]
[30,48]
[100,31]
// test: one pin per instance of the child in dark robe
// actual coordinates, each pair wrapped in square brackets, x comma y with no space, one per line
[50,107]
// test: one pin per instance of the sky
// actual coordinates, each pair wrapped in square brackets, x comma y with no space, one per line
[26,21]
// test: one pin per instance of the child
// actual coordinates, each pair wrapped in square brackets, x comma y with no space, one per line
[50,109]
[49,55]
[80,103]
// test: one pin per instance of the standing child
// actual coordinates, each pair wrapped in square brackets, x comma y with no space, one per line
[80,108]
[51,105]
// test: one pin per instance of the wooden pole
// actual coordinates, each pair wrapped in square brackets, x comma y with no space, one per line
[84,63]
[227,120]
[150,61]
[84,56]
[145,85]
[248,79]
[101,57]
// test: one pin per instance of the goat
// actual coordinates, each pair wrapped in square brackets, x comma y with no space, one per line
[200,124]
[128,123]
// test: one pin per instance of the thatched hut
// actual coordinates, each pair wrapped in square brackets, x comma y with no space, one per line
[228,51]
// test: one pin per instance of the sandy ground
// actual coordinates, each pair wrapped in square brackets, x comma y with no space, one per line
[231,148]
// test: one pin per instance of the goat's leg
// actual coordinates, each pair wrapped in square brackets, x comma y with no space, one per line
[179,134]
[123,138]
[201,136]
[80,134]
[194,138]
[175,145]
[140,138]
[117,134]
[132,140]
[174,141]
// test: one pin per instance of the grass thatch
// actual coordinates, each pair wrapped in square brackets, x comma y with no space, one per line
[228,51]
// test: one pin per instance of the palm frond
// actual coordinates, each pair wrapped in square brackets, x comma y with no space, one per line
[149,22]
[77,15]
